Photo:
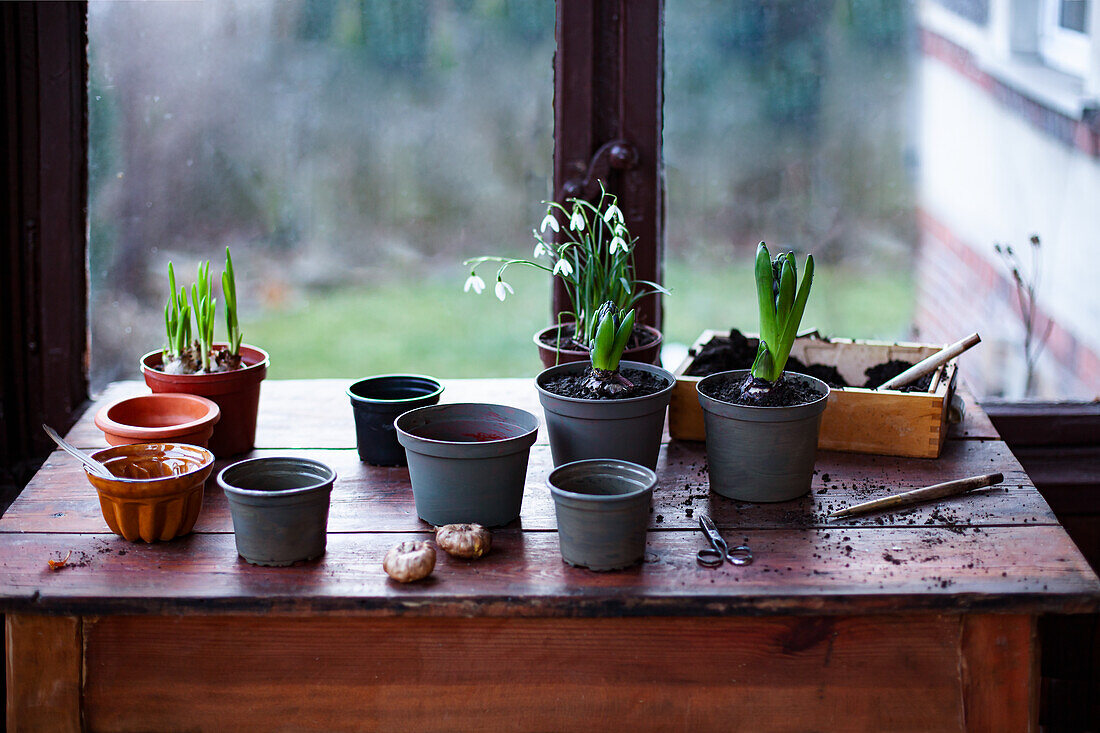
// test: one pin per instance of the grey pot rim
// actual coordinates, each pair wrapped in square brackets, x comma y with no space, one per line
[525,438]
[650,477]
[325,482]
[537,338]
[358,399]
[582,365]
[760,409]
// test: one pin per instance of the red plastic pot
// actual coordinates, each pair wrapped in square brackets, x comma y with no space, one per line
[649,353]
[159,418]
[237,393]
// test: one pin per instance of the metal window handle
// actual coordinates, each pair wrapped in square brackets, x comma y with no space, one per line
[617,154]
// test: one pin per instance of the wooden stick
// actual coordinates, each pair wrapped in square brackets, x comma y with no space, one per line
[916,496]
[942,356]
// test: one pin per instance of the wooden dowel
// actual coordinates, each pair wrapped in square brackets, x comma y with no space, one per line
[916,496]
[942,356]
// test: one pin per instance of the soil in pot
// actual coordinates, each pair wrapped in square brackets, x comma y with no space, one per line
[786,393]
[573,385]
[563,338]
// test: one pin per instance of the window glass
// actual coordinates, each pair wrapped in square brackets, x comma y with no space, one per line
[350,152]
[1072,15]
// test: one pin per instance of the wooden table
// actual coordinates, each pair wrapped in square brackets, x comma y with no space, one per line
[917,620]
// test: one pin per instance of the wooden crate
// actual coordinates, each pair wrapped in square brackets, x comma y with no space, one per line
[857,420]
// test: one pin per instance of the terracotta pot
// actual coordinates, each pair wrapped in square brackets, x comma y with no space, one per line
[550,356]
[159,418]
[237,393]
[157,494]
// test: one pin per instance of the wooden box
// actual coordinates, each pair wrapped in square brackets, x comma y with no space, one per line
[857,420]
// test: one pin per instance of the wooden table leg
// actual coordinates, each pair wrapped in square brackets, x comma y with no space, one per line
[43,658]
[1000,672]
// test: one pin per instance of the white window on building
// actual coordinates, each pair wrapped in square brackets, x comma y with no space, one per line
[1063,35]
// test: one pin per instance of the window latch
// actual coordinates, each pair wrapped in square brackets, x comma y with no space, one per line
[615,155]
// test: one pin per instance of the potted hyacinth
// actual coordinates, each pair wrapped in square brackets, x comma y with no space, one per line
[762,423]
[593,257]
[606,408]
[228,373]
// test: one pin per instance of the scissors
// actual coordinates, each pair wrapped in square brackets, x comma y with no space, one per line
[719,552]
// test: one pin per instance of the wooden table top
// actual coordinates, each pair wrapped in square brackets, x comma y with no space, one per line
[999,549]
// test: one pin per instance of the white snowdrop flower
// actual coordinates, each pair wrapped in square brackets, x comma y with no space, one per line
[502,290]
[576,222]
[540,249]
[549,221]
[475,283]
[563,268]
[616,244]
[613,212]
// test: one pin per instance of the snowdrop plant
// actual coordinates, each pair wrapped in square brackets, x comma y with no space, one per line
[184,356]
[590,250]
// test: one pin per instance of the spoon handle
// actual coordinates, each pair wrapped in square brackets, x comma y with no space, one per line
[95,466]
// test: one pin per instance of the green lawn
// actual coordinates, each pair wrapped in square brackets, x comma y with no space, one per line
[424,323]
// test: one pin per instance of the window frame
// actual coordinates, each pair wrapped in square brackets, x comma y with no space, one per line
[1061,48]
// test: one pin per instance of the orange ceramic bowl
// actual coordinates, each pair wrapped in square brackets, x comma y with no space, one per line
[157,490]
[159,418]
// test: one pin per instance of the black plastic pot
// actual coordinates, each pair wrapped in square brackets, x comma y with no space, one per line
[761,454]
[628,429]
[279,507]
[376,402]
[467,462]
[602,507]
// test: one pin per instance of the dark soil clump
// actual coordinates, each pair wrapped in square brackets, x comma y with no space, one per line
[827,374]
[723,353]
[880,373]
[572,385]
[786,393]
[563,339]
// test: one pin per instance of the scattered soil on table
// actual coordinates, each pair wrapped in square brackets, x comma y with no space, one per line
[886,371]
[563,339]
[572,385]
[786,393]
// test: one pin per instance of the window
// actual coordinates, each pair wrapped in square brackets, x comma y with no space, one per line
[1064,35]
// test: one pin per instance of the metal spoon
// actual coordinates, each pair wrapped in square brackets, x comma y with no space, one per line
[93,465]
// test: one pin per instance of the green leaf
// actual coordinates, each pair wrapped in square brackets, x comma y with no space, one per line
[790,330]
[765,294]
[764,366]
[786,291]
[621,337]
[603,342]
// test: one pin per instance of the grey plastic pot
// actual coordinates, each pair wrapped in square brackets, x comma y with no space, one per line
[279,507]
[628,429]
[467,461]
[602,506]
[761,454]
[376,402]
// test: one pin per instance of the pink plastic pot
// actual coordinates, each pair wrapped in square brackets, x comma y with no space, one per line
[159,418]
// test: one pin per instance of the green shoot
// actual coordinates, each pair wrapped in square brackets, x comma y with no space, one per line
[229,290]
[781,309]
[203,302]
[177,318]
[612,332]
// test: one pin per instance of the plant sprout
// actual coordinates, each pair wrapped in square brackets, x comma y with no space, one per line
[594,261]
[177,318]
[781,310]
[202,303]
[606,349]
[229,290]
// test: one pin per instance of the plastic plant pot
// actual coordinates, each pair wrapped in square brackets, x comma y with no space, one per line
[628,429]
[376,402]
[602,506]
[761,454]
[649,353]
[467,461]
[279,507]
[159,418]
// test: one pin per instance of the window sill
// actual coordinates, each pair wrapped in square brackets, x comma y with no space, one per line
[1029,76]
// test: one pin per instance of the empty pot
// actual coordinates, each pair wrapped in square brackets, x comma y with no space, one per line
[376,402]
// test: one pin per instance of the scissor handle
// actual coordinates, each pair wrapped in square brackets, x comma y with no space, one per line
[709,557]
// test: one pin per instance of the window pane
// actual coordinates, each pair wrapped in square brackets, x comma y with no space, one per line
[350,152]
[1072,15]
[873,134]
